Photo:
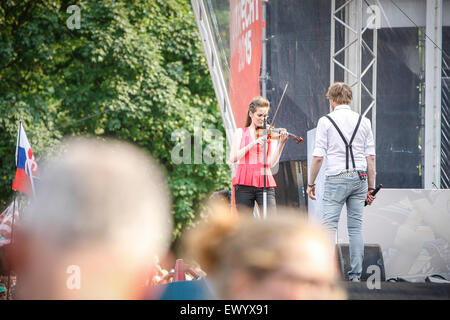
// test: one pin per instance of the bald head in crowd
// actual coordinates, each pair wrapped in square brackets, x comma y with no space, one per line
[101,214]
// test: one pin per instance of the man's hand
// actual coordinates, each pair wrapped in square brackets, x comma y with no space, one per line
[311,191]
[370,197]
[316,163]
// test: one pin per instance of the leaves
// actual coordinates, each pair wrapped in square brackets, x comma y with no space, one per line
[134,71]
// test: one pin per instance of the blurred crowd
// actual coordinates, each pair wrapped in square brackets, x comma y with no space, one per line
[188,272]
[101,222]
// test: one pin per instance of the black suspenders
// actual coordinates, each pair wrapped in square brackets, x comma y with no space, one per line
[348,146]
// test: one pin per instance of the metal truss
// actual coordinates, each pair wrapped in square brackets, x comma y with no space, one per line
[433,92]
[348,16]
[220,87]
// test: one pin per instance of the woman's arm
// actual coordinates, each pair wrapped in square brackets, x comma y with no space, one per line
[277,149]
[236,154]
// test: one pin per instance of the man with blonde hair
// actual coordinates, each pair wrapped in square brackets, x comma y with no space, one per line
[345,138]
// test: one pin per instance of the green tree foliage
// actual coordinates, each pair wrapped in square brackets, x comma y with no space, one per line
[134,70]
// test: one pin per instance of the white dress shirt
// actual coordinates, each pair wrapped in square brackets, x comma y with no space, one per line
[329,143]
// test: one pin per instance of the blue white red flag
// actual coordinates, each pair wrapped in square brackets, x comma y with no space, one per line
[6,222]
[27,170]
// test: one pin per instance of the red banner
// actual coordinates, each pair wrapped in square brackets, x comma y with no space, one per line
[245,55]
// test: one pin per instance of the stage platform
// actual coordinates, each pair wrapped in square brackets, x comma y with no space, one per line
[201,290]
[398,291]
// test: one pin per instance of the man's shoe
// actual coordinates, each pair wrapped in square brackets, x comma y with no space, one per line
[355,280]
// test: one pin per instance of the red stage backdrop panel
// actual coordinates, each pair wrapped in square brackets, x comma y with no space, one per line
[245,55]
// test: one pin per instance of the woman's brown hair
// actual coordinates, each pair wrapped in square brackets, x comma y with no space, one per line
[256,102]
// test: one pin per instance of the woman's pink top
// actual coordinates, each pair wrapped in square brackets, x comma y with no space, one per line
[250,169]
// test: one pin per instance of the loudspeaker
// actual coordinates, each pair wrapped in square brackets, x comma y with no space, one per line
[372,257]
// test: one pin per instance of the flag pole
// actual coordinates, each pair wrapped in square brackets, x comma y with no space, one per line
[8,294]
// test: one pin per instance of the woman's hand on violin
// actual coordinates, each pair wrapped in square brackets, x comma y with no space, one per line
[284,135]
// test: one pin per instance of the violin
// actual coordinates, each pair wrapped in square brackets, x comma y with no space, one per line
[275,133]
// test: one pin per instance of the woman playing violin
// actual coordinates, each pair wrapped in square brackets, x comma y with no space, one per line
[248,150]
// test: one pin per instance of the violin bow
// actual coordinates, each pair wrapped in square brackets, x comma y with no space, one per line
[298,139]
[279,103]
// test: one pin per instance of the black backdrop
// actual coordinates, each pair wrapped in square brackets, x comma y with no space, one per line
[298,52]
